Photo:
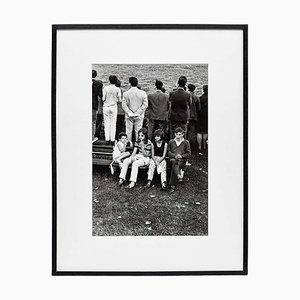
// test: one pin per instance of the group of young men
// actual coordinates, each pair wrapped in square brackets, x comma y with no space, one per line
[157,110]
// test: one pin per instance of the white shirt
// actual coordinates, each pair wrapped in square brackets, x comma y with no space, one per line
[111,95]
[178,142]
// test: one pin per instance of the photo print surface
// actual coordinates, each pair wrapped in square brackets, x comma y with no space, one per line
[150,149]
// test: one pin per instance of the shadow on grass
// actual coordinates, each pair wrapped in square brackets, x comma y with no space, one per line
[151,212]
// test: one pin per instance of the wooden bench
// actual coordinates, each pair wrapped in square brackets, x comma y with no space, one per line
[102,154]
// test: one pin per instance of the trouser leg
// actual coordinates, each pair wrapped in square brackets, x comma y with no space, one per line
[162,125]
[113,123]
[119,125]
[124,169]
[94,114]
[151,169]
[138,123]
[98,125]
[174,171]
[173,126]
[135,168]
[151,125]
[106,116]
[129,127]
[163,175]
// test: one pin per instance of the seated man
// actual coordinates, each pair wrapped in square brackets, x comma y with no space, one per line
[178,151]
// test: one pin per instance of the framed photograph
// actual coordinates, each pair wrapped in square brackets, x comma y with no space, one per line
[149,169]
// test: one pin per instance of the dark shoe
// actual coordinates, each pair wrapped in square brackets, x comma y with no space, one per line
[172,189]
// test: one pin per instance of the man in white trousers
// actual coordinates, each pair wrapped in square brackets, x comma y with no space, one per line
[111,95]
[134,104]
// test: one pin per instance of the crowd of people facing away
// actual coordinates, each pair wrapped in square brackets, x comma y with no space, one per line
[156,125]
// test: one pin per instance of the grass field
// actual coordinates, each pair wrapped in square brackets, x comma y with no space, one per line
[146,74]
[145,212]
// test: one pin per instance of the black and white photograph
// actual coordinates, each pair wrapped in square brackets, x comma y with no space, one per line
[149,152]
[150,149]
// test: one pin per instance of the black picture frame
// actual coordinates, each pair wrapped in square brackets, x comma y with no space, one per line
[59,27]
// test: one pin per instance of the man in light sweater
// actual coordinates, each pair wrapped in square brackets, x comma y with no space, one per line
[134,104]
[179,151]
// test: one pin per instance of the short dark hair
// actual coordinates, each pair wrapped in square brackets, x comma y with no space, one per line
[205,89]
[163,89]
[144,131]
[118,83]
[182,81]
[113,79]
[184,78]
[159,132]
[179,129]
[94,73]
[158,84]
[191,87]
[122,133]
[133,81]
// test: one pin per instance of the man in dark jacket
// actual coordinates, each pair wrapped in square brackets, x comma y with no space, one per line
[180,102]
[97,116]
[179,151]
[158,107]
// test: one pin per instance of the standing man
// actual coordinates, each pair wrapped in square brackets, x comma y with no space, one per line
[111,96]
[158,105]
[134,104]
[180,102]
[202,124]
[96,96]
[195,104]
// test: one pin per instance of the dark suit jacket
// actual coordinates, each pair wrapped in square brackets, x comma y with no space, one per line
[180,101]
[97,92]
[158,106]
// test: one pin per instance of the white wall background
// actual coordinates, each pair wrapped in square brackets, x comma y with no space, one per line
[25,68]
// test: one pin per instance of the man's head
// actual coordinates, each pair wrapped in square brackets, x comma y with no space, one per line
[191,87]
[179,133]
[113,79]
[133,81]
[158,84]
[118,83]
[94,73]
[205,89]
[182,81]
